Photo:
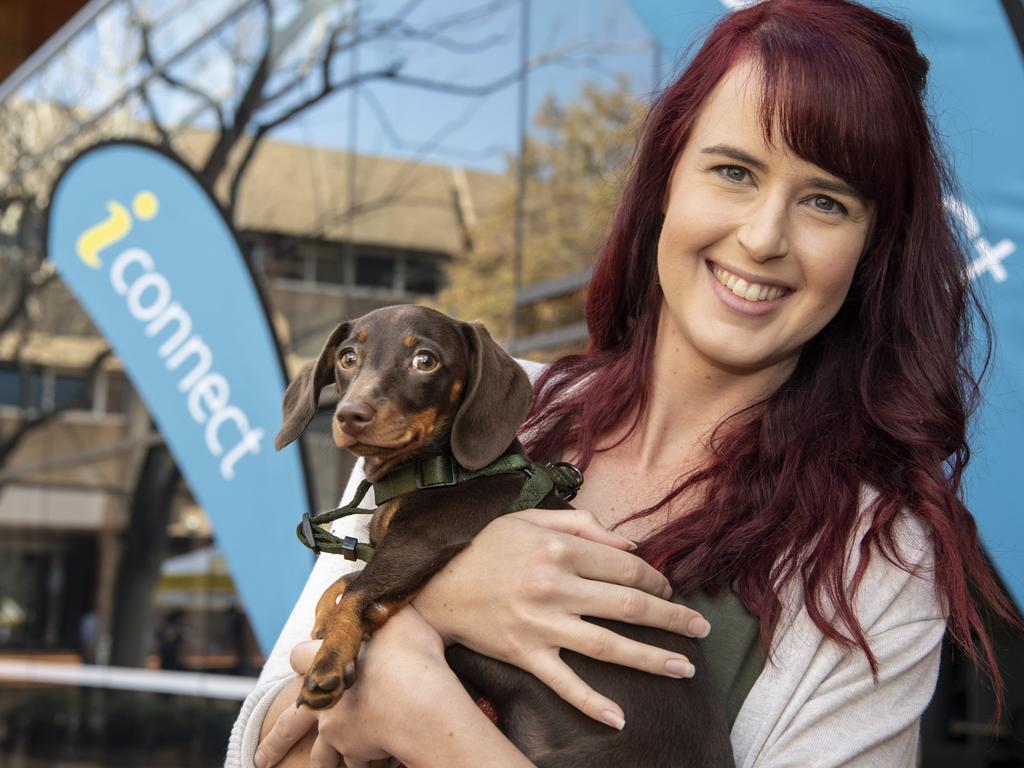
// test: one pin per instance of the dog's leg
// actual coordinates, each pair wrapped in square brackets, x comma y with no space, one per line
[424,534]
[328,604]
[389,581]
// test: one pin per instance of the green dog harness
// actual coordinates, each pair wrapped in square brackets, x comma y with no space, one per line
[437,472]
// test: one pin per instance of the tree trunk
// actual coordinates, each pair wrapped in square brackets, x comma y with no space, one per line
[144,546]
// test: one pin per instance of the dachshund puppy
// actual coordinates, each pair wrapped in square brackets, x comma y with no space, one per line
[415,383]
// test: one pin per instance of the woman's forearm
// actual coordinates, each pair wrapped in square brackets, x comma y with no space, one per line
[455,734]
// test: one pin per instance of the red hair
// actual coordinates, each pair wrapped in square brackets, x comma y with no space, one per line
[881,396]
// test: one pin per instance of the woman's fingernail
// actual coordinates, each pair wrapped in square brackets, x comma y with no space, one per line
[679,668]
[698,627]
[632,544]
[615,720]
[260,761]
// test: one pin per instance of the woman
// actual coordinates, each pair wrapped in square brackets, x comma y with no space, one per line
[774,405]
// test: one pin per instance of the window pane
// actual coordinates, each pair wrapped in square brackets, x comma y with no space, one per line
[287,263]
[375,271]
[10,386]
[422,276]
[67,389]
[330,265]
[34,389]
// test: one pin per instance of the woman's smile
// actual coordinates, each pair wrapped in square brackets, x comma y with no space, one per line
[746,294]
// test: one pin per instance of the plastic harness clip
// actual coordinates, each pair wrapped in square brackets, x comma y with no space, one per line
[348,547]
[309,539]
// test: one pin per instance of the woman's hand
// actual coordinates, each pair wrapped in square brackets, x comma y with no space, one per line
[402,675]
[518,591]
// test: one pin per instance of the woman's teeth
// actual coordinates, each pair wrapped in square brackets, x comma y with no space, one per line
[745,290]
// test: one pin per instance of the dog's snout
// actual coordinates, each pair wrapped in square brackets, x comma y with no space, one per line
[355,417]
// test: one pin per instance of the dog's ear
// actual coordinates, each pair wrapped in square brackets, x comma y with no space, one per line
[498,397]
[303,394]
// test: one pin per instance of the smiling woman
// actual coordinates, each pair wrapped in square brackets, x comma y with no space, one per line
[774,405]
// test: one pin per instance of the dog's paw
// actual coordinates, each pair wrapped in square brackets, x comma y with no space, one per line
[328,678]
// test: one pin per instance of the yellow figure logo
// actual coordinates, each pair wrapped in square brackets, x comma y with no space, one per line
[116,226]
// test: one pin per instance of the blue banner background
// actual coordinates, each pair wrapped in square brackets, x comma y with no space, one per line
[976,97]
[121,196]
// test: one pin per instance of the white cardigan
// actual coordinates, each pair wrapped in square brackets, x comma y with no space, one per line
[815,704]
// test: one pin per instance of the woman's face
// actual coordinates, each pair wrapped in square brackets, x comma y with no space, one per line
[758,247]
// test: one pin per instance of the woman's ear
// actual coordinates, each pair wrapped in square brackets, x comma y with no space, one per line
[498,397]
[303,394]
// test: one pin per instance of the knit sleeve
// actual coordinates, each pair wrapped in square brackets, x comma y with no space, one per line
[818,705]
[277,671]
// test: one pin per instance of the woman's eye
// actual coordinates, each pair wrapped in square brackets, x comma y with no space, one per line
[826,204]
[424,361]
[734,173]
[348,359]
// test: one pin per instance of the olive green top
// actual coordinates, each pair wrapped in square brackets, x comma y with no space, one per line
[733,650]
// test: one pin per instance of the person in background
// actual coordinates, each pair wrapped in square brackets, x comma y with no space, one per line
[171,640]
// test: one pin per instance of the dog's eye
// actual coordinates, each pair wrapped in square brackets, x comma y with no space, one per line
[348,359]
[424,361]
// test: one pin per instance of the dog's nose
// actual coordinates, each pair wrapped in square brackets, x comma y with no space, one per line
[355,417]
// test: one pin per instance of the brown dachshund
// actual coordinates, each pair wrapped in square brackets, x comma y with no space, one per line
[415,383]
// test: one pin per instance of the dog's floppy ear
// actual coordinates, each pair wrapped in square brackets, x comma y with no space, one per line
[303,394]
[498,397]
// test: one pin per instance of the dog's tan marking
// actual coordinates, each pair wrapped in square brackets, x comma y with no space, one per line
[378,613]
[409,340]
[326,605]
[456,391]
[361,335]
[424,422]
[382,519]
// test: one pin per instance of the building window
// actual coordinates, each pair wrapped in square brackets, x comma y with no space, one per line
[330,265]
[10,386]
[32,389]
[422,276]
[375,272]
[289,263]
[67,388]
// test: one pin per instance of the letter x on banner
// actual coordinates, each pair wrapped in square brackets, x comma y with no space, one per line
[150,257]
[976,97]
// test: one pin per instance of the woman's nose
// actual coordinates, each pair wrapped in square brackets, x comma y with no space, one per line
[763,232]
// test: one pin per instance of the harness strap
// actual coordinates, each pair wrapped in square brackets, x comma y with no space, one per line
[436,472]
[320,540]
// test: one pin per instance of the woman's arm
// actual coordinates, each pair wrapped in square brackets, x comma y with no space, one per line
[406,702]
[817,693]
[518,591]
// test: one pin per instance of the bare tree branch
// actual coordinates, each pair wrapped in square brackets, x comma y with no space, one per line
[326,89]
[431,145]
[251,100]
[408,32]
[36,420]
[147,56]
[154,118]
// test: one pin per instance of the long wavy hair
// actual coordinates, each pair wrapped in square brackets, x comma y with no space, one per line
[880,397]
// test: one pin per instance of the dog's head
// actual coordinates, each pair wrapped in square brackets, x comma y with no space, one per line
[412,381]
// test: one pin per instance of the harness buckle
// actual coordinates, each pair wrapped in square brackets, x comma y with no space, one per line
[348,547]
[308,538]
[567,490]
[452,466]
